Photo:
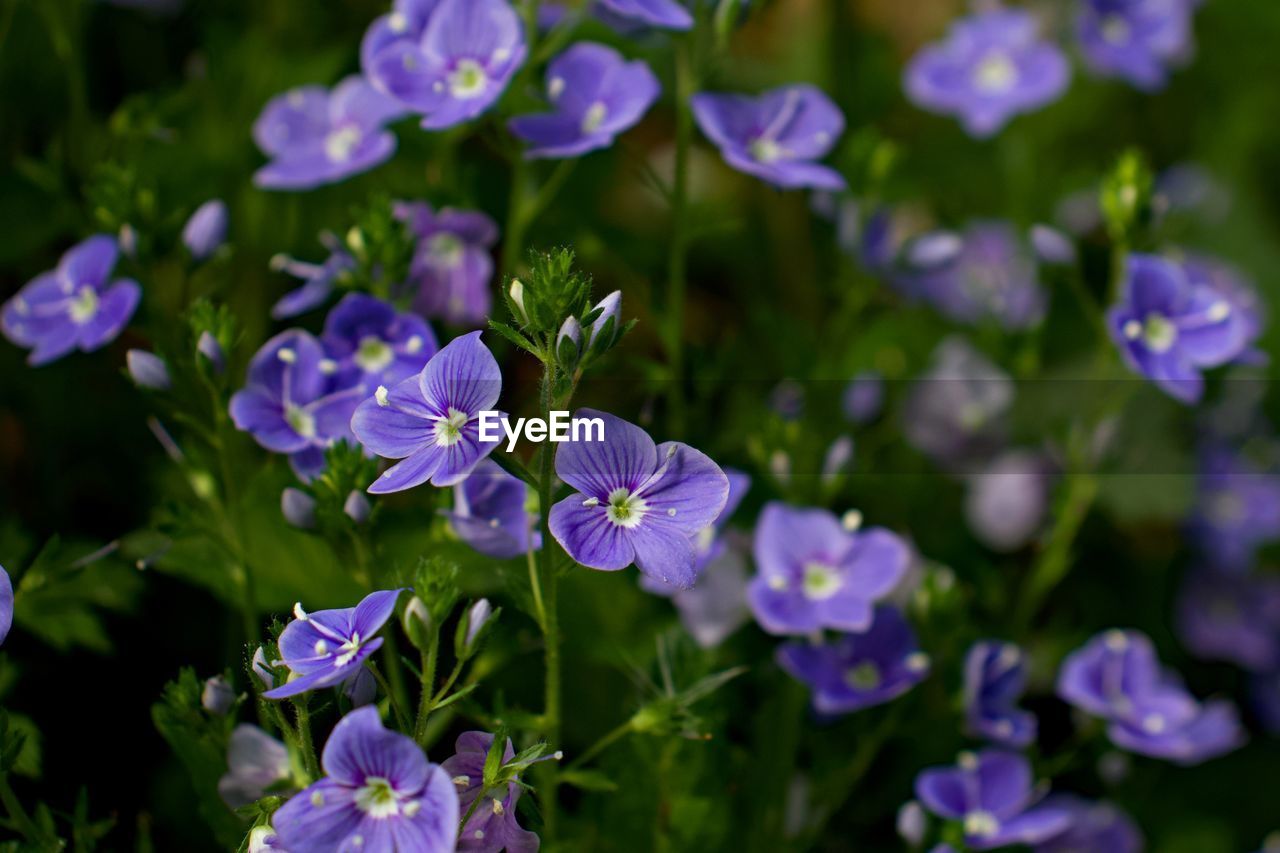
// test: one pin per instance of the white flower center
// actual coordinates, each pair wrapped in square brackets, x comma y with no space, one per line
[347,651]
[300,421]
[446,250]
[864,676]
[555,87]
[980,823]
[625,510]
[765,150]
[449,429]
[398,22]
[85,305]
[1159,334]
[377,798]
[468,80]
[1115,30]
[995,73]
[339,144]
[820,581]
[594,117]
[374,354]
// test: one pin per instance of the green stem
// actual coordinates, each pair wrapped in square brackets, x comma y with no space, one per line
[305,743]
[602,744]
[550,627]
[426,701]
[1079,492]
[677,257]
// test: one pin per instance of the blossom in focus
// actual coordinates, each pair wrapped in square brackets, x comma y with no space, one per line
[490,513]
[595,94]
[492,827]
[662,14]
[327,647]
[1116,676]
[1007,500]
[372,344]
[857,671]
[1138,41]
[995,675]
[993,795]
[206,230]
[315,136]
[255,762]
[379,793]
[636,502]
[778,136]
[991,67]
[451,265]
[431,421]
[75,306]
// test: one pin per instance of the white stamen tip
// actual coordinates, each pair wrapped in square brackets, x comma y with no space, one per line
[1133,330]
[558,755]
[851,520]
[462,781]
[298,612]
[287,355]
[672,512]
[328,366]
[321,647]
[497,807]
[591,502]
[381,396]
[1219,311]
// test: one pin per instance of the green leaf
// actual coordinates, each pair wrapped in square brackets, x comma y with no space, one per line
[588,780]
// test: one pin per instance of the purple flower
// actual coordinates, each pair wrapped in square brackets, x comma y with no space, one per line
[1237,508]
[448,60]
[717,604]
[75,306]
[995,674]
[211,352]
[857,671]
[663,14]
[218,696]
[991,67]
[291,405]
[1117,677]
[317,280]
[1094,825]
[206,230]
[864,397]
[595,94]
[430,421]
[955,411]
[777,136]
[1246,305]
[451,266]
[991,275]
[1007,501]
[1135,40]
[327,647]
[815,574]
[1051,245]
[1169,329]
[316,137]
[298,508]
[6,604]
[708,543]
[373,344]
[993,795]
[148,370]
[1232,617]
[490,515]
[379,793]
[255,762]
[636,502]
[492,827]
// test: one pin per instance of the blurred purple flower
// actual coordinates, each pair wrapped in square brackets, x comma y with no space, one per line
[707,542]
[777,136]
[448,60]
[1168,328]
[379,793]
[291,405]
[995,674]
[76,305]
[662,14]
[217,696]
[206,230]
[492,827]
[316,137]
[327,647]
[210,351]
[298,508]
[451,266]
[255,762]
[636,502]
[6,604]
[1117,677]
[991,67]
[373,344]
[864,397]
[856,671]
[1051,245]
[1007,500]
[1247,310]
[717,604]
[431,421]
[490,514]
[1135,40]
[1094,825]
[814,573]
[992,794]
[1232,617]
[317,279]
[1237,508]
[955,411]
[595,95]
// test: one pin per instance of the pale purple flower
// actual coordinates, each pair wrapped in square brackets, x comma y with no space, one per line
[636,502]
[317,279]
[595,94]
[911,823]
[431,421]
[477,617]
[315,137]
[298,508]
[864,397]
[1138,41]
[1008,499]
[217,696]
[995,675]
[1233,617]
[662,14]
[372,344]
[6,604]
[992,794]
[379,793]
[956,410]
[448,60]
[778,136]
[357,507]
[708,543]
[1051,245]
[493,826]
[1094,825]
[291,405]
[206,230]
[716,606]
[490,513]
[1169,329]
[608,323]
[991,67]
[1237,508]
[256,762]
[856,671]
[1117,677]
[75,306]
[210,351]
[451,265]
[148,370]
[1247,309]
[327,647]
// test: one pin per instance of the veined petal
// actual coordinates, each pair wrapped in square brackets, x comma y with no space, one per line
[589,537]
[360,746]
[413,470]
[625,459]
[464,376]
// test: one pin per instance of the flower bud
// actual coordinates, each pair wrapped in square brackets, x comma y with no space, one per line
[912,823]
[217,697]
[299,508]
[605,328]
[417,623]
[360,688]
[357,507]
[128,241]
[517,299]
[148,370]
[837,459]
[569,343]
[209,347]
[261,670]
[471,629]
[206,229]
[1051,245]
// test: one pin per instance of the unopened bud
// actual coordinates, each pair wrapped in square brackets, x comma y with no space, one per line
[517,299]
[299,508]
[148,370]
